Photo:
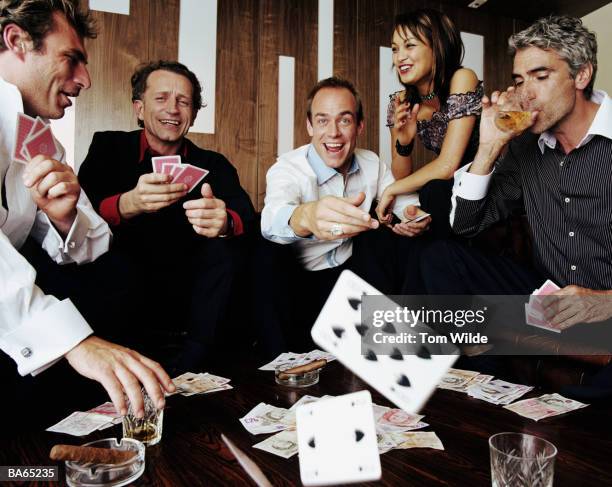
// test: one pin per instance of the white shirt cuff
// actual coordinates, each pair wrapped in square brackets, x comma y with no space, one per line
[471,186]
[60,250]
[45,337]
[280,230]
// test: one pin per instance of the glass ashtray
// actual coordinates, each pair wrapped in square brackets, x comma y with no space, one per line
[95,475]
[300,379]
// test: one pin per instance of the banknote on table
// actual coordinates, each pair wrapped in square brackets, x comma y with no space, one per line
[290,359]
[545,406]
[456,379]
[79,424]
[108,410]
[209,383]
[189,383]
[417,439]
[459,380]
[385,442]
[389,420]
[480,379]
[283,444]
[498,391]
[265,418]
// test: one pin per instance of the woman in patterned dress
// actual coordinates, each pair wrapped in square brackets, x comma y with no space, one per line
[441,104]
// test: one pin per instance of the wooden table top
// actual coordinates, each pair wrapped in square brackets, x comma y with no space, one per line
[192,453]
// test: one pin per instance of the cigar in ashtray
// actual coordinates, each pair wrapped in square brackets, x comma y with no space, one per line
[90,454]
[301,369]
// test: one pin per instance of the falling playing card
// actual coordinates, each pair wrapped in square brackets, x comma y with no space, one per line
[158,162]
[24,125]
[42,143]
[406,380]
[190,175]
[337,440]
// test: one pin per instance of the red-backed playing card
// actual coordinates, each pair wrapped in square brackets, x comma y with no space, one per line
[170,167]
[159,161]
[24,125]
[42,143]
[190,175]
[39,124]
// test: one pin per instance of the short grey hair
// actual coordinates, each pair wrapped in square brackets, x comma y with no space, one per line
[567,36]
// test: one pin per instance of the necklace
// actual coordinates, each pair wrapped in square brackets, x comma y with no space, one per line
[428,96]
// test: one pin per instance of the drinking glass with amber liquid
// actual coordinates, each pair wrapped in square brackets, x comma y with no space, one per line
[511,117]
[147,429]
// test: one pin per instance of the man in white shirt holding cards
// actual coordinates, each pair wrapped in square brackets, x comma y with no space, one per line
[172,203]
[42,63]
[318,198]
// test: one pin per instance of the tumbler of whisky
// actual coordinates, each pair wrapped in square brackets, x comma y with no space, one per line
[512,120]
[511,116]
[147,429]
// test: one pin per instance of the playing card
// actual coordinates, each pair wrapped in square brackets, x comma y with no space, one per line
[337,440]
[24,125]
[42,143]
[547,288]
[406,380]
[189,175]
[159,161]
[287,360]
[498,391]
[418,218]
[283,359]
[170,167]
[534,311]
[532,319]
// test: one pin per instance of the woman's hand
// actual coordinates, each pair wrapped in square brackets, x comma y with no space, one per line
[405,120]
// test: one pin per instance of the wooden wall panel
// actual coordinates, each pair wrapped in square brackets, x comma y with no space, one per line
[236,97]
[163,30]
[346,50]
[496,31]
[287,28]
[122,41]
[374,24]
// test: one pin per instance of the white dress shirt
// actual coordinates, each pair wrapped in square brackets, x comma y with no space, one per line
[301,176]
[37,329]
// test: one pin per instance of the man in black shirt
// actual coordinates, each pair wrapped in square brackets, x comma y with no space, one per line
[174,239]
[559,173]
